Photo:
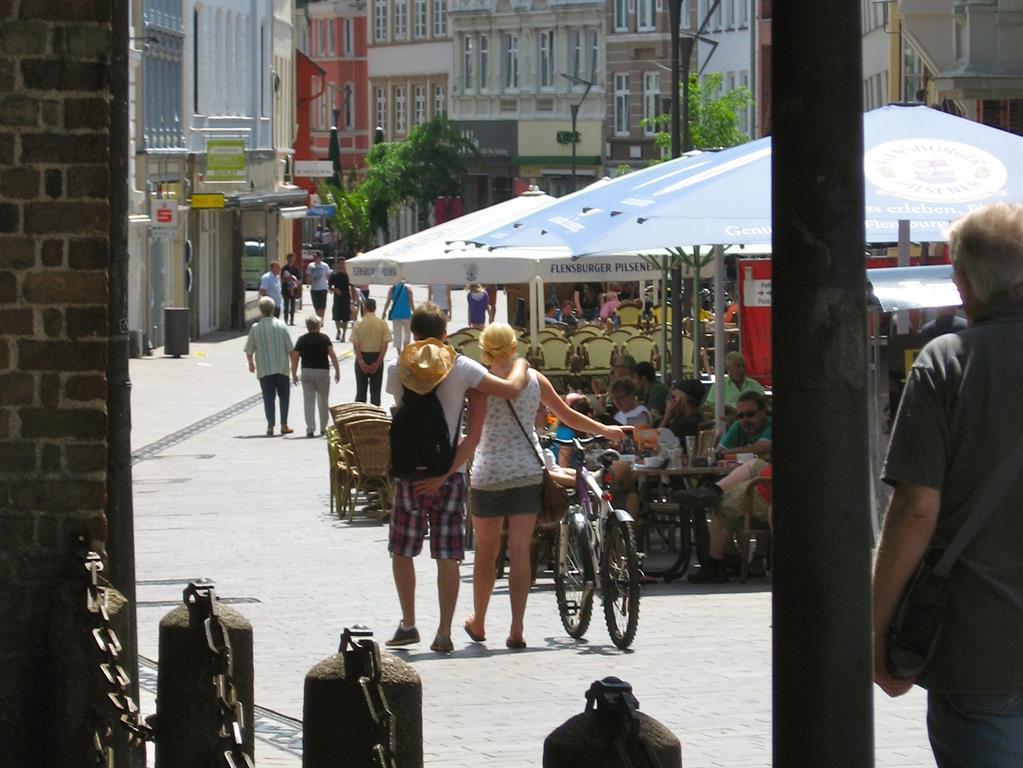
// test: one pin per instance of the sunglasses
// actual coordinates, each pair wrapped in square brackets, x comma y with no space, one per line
[742,415]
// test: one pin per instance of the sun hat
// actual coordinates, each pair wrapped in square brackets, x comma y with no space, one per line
[425,364]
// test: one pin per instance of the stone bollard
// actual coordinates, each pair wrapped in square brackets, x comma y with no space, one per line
[79,708]
[189,713]
[338,727]
[601,736]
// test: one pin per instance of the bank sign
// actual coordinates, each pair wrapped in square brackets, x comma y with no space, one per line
[225,161]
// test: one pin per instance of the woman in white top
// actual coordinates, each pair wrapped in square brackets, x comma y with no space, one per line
[507,477]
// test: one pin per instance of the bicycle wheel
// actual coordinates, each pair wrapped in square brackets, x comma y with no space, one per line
[620,568]
[573,575]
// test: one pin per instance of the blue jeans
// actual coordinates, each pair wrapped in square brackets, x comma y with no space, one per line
[277,385]
[976,730]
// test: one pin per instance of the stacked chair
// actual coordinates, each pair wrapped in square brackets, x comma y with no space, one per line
[358,445]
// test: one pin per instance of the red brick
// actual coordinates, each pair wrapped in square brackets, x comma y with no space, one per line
[53,253]
[17,456]
[49,390]
[88,423]
[5,434]
[53,457]
[86,457]
[62,355]
[63,75]
[86,113]
[19,252]
[89,253]
[22,38]
[86,321]
[53,323]
[53,183]
[20,183]
[8,288]
[58,495]
[61,148]
[16,530]
[19,110]
[86,388]
[10,217]
[6,148]
[88,181]
[17,322]
[63,287]
[47,532]
[52,113]
[62,10]
[70,218]
[17,388]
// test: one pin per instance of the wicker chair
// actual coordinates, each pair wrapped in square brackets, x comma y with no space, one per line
[622,335]
[629,315]
[643,349]
[555,357]
[598,354]
[749,530]
[371,453]
[471,349]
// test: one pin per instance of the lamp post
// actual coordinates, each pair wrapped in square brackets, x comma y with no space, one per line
[574,80]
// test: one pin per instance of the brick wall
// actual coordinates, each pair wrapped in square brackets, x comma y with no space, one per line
[54,255]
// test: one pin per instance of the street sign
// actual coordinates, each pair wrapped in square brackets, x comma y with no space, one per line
[164,218]
[225,160]
[314,169]
[321,211]
[208,200]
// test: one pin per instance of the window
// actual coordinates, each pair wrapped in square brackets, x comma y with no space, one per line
[594,55]
[685,20]
[348,108]
[651,96]
[331,37]
[717,18]
[575,53]
[419,105]
[743,19]
[380,20]
[729,13]
[467,63]
[400,19]
[647,15]
[399,109]
[511,61]
[419,18]
[912,74]
[622,104]
[324,120]
[621,15]
[547,59]
[744,113]
[381,108]
[440,104]
[484,63]
[321,27]
[440,18]
[349,38]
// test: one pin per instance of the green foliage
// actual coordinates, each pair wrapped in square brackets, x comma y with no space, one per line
[713,120]
[622,169]
[351,222]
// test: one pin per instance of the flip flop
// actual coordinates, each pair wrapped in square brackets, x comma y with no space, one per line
[467,626]
[515,645]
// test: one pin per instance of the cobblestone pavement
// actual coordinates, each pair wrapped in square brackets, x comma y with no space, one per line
[215,498]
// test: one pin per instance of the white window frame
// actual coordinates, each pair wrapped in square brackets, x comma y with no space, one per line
[380,21]
[484,75]
[331,37]
[651,97]
[419,11]
[419,105]
[381,108]
[621,15]
[467,54]
[400,19]
[440,18]
[729,13]
[743,20]
[646,14]
[440,101]
[510,70]
[348,38]
[546,59]
[621,104]
[575,52]
[400,114]
[594,57]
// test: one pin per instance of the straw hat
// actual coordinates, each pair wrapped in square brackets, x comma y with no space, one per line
[425,364]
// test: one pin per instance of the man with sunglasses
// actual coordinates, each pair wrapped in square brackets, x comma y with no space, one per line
[751,430]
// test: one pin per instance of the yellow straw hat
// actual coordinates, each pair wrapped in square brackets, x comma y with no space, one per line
[425,364]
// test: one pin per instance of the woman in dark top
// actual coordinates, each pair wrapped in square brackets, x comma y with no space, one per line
[316,351]
[291,285]
[587,301]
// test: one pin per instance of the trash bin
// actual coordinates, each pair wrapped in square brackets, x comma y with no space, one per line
[175,331]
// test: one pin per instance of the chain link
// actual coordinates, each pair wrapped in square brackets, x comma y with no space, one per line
[362,661]
[201,599]
[615,699]
[118,682]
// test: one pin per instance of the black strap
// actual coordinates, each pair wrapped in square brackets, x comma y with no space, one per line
[543,464]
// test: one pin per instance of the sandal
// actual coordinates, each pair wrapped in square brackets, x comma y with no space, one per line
[442,645]
[515,645]
[467,626]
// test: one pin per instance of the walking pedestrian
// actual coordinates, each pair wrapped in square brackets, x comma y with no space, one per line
[401,305]
[270,285]
[479,305]
[370,337]
[344,297]
[430,366]
[440,295]
[316,352]
[317,275]
[954,461]
[291,283]
[267,349]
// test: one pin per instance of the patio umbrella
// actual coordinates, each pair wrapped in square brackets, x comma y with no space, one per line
[920,165]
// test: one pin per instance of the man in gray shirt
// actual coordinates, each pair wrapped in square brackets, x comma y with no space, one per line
[955,423]
[317,275]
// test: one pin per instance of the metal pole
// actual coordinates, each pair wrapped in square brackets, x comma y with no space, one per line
[575,117]
[822,528]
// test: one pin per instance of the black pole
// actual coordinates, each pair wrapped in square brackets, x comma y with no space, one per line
[822,530]
[119,510]
[575,117]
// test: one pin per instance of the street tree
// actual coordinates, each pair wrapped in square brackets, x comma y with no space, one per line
[351,220]
[713,118]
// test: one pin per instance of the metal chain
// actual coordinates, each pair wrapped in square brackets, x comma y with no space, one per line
[97,603]
[615,699]
[201,599]
[362,659]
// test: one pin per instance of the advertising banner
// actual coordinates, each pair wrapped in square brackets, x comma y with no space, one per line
[755,317]
[225,160]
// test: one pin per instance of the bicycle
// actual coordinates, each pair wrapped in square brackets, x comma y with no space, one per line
[597,554]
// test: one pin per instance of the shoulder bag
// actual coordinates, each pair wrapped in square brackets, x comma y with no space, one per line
[555,499]
[916,624]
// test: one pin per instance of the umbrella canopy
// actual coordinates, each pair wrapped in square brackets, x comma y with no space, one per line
[898,288]
[920,165]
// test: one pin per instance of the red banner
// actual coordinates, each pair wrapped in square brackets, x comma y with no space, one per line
[755,317]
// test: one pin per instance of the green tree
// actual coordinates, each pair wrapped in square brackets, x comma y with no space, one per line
[713,119]
[382,187]
[351,221]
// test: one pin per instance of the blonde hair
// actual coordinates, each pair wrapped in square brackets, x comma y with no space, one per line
[987,247]
[497,343]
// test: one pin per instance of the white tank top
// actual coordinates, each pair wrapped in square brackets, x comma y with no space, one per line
[504,458]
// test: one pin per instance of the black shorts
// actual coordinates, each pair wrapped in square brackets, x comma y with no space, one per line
[319,300]
[342,309]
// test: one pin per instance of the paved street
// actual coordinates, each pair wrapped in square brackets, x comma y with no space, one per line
[215,498]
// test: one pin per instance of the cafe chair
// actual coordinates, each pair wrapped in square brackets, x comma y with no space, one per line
[629,316]
[751,526]
[471,349]
[371,454]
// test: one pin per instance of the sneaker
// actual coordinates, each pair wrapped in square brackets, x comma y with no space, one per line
[270,431]
[703,497]
[403,636]
[712,573]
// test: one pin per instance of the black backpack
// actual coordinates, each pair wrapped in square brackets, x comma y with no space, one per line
[421,445]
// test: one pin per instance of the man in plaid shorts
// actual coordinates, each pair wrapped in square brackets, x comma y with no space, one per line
[424,365]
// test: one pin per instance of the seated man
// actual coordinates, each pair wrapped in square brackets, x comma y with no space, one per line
[682,413]
[751,430]
[623,368]
[737,381]
[650,391]
[630,411]
[726,499]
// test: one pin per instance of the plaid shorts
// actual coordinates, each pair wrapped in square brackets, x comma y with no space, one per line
[445,511]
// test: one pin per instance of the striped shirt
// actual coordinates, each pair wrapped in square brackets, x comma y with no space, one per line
[270,342]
